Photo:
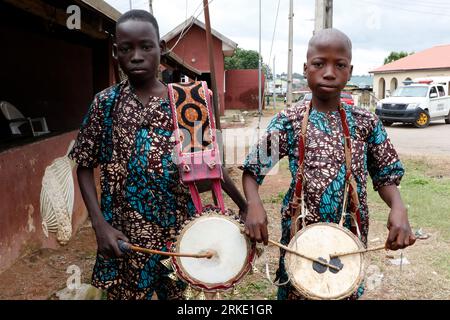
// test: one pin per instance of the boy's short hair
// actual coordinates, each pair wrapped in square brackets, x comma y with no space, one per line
[328,34]
[139,15]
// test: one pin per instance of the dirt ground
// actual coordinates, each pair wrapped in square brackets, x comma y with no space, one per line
[40,274]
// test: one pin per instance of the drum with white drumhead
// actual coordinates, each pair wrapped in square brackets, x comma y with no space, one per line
[316,281]
[232,252]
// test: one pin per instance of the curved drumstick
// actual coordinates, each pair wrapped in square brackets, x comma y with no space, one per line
[303,256]
[299,254]
[127,247]
[342,254]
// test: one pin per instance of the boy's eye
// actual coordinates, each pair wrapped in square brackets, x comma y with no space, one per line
[318,64]
[342,65]
[147,47]
[124,49]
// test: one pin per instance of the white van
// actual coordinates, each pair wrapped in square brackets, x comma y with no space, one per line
[419,102]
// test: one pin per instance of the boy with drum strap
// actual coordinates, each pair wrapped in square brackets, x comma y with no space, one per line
[325,173]
[128,132]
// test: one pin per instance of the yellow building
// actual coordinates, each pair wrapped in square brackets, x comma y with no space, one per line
[433,62]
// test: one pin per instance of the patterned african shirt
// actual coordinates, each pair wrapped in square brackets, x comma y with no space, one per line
[372,153]
[141,194]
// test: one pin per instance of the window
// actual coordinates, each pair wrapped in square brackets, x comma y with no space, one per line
[411,91]
[433,91]
[441,91]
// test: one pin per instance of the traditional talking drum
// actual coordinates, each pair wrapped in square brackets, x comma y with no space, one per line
[316,281]
[212,231]
[232,252]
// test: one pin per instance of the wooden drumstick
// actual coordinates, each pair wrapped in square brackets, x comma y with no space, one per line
[303,256]
[124,247]
[277,244]
[342,254]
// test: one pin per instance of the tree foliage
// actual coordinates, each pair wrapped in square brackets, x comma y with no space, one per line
[246,59]
[394,56]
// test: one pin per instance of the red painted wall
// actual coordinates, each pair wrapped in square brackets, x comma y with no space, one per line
[242,89]
[21,173]
[47,71]
[193,46]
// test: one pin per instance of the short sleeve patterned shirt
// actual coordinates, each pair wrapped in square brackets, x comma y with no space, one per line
[372,154]
[141,193]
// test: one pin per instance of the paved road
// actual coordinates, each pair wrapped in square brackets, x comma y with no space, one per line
[434,140]
[408,140]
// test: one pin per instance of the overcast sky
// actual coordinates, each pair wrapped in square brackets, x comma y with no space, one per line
[375,27]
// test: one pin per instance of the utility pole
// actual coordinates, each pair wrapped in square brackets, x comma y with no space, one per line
[209,45]
[150,6]
[290,53]
[131,4]
[324,15]
[274,85]
[259,65]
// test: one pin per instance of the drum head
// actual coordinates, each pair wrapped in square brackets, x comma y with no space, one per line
[222,235]
[316,281]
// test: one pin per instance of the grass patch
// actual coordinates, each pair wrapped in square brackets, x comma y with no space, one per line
[427,199]
[442,263]
[276,198]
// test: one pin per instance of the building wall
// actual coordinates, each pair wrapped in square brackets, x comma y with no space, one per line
[242,89]
[389,78]
[21,173]
[48,71]
[192,48]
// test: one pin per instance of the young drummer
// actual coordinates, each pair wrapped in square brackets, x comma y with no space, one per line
[128,131]
[323,157]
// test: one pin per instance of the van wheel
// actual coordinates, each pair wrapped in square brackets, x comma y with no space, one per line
[387,123]
[447,121]
[422,119]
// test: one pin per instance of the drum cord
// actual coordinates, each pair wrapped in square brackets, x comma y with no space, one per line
[268,274]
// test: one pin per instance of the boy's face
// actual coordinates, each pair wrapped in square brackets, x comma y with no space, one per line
[138,50]
[328,68]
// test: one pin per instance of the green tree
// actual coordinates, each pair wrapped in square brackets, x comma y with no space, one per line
[246,59]
[394,56]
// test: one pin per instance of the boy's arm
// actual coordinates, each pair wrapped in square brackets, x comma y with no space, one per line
[106,235]
[400,233]
[233,192]
[256,222]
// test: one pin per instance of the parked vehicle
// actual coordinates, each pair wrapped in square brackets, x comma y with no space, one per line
[347,98]
[418,101]
[306,98]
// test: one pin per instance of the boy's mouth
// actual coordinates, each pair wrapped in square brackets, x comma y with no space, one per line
[328,88]
[138,71]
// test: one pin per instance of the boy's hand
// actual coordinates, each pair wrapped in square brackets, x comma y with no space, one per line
[256,223]
[107,240]
[400,233]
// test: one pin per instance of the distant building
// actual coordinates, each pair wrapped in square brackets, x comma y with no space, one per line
[431,62]
[279,85]
[192,51]
[361,88]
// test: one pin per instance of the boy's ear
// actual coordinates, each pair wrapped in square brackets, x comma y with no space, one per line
[305,68]
[351,72]
[114,51]
[163,46]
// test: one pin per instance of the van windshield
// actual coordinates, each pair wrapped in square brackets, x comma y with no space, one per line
[410,91]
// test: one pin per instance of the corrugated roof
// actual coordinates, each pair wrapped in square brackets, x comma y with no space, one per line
[104,8]
[433,58]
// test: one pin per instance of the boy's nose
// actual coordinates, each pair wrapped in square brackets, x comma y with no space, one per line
[329,73]
[137,57]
